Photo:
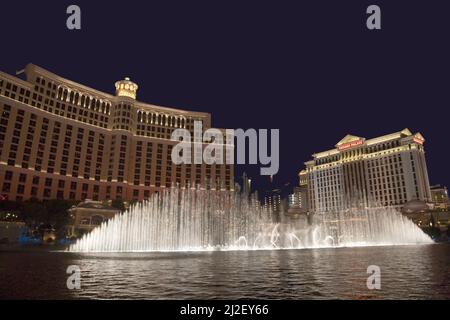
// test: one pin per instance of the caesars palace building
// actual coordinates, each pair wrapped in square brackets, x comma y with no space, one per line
[63,140]
[387,171]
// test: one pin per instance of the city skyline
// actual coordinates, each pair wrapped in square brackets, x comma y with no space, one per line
[287,185]
[269,82]
[120,91]
[231,157]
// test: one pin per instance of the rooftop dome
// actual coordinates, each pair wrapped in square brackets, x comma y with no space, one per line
[126,88]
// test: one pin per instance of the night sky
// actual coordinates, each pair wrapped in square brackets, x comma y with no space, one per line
[309,68]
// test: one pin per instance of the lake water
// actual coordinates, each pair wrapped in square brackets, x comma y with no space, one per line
[407,272]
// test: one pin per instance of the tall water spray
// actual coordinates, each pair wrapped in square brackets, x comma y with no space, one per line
[189,219]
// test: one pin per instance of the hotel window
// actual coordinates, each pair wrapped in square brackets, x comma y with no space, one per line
[6,187]
[35,180]
[8,175]
[12,161]
[48,182]
[20,189]
[22,178]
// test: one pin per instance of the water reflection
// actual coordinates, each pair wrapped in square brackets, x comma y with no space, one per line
[414,272]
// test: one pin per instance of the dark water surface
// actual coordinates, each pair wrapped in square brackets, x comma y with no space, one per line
[407,272]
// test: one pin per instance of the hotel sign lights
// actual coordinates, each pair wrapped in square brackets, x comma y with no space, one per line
[350,145]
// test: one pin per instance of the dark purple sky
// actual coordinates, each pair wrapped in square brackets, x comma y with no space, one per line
[309,68]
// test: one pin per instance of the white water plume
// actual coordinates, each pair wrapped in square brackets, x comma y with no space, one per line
[189,219]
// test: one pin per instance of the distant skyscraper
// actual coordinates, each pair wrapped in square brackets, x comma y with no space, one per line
[390,169]
[299,197]
[272,201]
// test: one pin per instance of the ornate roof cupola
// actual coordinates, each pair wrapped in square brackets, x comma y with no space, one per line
[126,88]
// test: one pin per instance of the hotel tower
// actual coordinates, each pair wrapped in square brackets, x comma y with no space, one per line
[63,140]
[387,171]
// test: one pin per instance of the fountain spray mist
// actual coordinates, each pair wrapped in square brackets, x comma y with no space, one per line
[188,219]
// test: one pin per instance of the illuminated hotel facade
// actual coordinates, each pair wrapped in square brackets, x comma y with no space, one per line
[63,140]
[389,171]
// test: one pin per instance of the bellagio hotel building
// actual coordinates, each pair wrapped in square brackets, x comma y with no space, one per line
[385,171]
[63,140]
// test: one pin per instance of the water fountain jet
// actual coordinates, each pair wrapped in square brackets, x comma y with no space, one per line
[189,219]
